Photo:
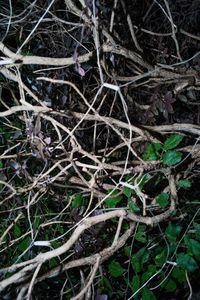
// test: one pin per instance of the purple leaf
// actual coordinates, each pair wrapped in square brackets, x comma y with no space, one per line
[168,100]
[81,71]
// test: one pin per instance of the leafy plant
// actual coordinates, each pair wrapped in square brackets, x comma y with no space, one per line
[152,152]
[162,199]
[148,261]
[172,142]
[169,157]
[115,269]
[113,200]
[184,183]
[186,262]
[77,201]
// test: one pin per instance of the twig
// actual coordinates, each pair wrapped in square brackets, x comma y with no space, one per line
[93,272]
[28,297]
[14,109]
[10,227]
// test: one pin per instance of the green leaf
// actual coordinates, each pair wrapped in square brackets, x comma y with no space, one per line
[119,293]
[106,282]
[60,228]
[145,178]
[186,262]
[151,269]
[147,294]
[125,225]
[17,231]
[1,164]
[152,152]
[162,199]
[170,286]
[160,258]
[172,232]
[184,184]
[127,251]
[128,192]
[157,146]
[197,230]
[135,283]
[171,158]
[178,274]
[23,245]
[36,222]
[53,262]
[68,198]
[112,201]
[193,246]
[173,141]
[146,275]
[115,269]
[139,259]
[136,264]
[55,244]
[140,235]
[133,207]
[78,201]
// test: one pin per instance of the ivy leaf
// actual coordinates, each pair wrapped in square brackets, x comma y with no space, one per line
[135,283]
[36,222]
[193,246]
[127,251]
[173,141]
[171,158]
[145,178]
[146,275]
[178,274]
[162,199]
[197,230]
[78,201]
[170,286]
[127,191]
[106,283]
[160,258]
[24,244]
[186,262]
[147,294]
[140,235]
[184,183]
[152,152]
[17,231]
[140,258]
[172,232]
[113,200]
[1,164]
[53,262]
[115,269]
[133,206]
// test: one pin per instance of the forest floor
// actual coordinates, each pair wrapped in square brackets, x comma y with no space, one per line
[99,149]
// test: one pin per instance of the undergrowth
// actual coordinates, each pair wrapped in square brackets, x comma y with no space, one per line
[99,150]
